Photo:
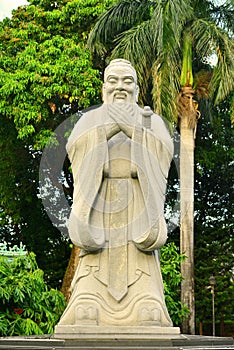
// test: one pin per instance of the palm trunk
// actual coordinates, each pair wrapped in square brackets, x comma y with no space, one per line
[188,115]
[187,222]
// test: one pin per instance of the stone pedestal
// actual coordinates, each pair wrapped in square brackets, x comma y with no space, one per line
[112,333]
[114,341]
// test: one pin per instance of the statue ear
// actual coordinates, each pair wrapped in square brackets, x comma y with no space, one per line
[137,93]
[103,92]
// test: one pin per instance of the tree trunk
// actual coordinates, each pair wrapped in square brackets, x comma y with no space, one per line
[222,327]
[70,271]
[187,221]
[200,328]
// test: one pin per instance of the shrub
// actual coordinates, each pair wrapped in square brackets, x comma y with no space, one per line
[170,260]
[27,305]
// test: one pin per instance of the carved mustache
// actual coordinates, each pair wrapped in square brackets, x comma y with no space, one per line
[120,94]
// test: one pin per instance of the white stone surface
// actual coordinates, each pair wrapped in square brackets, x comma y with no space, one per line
[120,156]
[90,332]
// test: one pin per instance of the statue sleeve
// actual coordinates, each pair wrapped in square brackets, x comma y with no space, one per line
[152,154]
[87,156]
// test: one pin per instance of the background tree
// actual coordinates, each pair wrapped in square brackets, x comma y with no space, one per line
[46,75]
[22,218]
[163,39]
[214,220]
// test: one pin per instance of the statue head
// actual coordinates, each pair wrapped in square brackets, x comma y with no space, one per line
[120,83]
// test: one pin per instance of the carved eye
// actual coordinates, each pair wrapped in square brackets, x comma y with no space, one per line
[128,81]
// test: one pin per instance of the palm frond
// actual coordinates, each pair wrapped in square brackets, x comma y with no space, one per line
[209,38]
[157,84]
[223,15]
[166,86]
[118,18]
[144,45]
[203,8]
[223,78]
[176,14]
[139,45]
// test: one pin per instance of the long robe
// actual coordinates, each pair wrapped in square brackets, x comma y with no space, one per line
[117,217]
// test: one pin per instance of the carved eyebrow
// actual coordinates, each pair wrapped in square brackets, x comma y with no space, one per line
[116,77]
[112,76]
[129,77]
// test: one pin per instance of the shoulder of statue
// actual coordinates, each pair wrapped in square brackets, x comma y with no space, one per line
[91,111]
[90,119]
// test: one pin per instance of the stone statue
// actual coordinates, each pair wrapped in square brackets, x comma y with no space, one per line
[120,156]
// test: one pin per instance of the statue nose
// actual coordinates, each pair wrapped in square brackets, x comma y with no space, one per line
[120,86]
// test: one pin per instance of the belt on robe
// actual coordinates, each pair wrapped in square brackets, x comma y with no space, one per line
[118,240]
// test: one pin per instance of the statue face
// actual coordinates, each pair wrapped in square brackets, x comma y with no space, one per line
[120,85]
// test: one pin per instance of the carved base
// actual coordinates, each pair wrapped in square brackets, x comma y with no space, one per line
[142,310]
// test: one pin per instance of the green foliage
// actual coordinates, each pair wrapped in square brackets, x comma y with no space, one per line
[45,67]
[214,216]
[153,36]
[186,78]
[40,76]
[27,305]
[22,218]
[46,75]
[170,260]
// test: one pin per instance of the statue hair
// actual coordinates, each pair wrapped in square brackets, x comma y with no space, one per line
[120,62]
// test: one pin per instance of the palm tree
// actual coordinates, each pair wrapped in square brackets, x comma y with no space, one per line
[168,41]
